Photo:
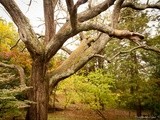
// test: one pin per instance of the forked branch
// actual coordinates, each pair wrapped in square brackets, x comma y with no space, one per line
[72,9]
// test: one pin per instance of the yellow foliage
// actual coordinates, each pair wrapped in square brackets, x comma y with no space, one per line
[8,38]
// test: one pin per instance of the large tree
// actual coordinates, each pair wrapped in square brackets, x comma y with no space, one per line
[42,51]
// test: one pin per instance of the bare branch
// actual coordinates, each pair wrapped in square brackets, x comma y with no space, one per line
[72,9]
[141,7]
[49,6]
[29,4]
[95,10]
[70,5]
[15,44]
[90,4]
[135,48]
[103,57]
[80,2]
[151,49]
[124,52]
[66,50]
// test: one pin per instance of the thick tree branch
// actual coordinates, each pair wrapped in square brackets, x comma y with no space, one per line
[26,32]
[72,12]
[78,58]
[95,10]
[80,2]
[19,69]
[111,32]
[72,9]
[141,7]
[49,6]
[116,13]
[66,32]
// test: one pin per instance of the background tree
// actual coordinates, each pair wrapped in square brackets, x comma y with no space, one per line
[130,68]
[12,76]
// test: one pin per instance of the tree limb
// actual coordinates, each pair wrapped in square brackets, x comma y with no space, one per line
[124,52]
[141,7]
[145,47]
[15,44]
[103,57]
[66,32]
[66,50]
[116,13]
[72,9]
[111,32]
[151,49]
[26,32]
[77,59]
[49,6]
[95,10]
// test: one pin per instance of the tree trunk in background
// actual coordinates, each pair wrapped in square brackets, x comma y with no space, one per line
[101,60]
[40,91]
[139,108]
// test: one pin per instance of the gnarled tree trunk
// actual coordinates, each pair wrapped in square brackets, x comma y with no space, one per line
[40,92]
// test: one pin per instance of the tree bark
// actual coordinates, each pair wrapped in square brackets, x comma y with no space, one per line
[40,91]
[139,108]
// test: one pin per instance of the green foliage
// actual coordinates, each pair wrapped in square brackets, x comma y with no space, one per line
[9,103]
[137,73]
[140,20]
[11,97]
[94,89]
[8,106]
[8,39]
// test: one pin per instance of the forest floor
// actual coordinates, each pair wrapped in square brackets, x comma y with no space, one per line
[79,112]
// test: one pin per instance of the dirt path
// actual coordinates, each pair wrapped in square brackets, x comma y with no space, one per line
[81,113]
